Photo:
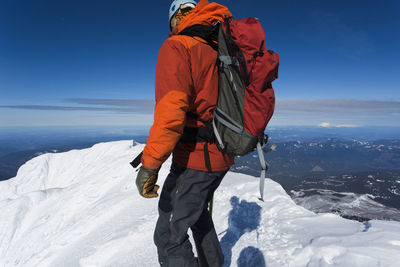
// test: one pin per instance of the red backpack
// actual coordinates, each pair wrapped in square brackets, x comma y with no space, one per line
[246,99]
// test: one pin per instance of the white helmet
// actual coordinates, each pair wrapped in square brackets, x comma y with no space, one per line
[176,5]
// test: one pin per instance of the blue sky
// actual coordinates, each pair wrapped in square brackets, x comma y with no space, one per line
[93,62]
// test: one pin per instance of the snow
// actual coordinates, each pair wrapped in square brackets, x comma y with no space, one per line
[81,208]
[346,203]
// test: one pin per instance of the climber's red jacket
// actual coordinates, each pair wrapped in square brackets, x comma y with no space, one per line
[186,80]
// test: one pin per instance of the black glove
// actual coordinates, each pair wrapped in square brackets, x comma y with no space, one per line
[146,182]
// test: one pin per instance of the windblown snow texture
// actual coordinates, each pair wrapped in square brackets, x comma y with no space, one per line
[81,208]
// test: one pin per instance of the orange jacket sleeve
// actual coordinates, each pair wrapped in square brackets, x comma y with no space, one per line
[173,86]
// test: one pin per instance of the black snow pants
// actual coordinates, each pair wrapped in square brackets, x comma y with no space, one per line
[183,205]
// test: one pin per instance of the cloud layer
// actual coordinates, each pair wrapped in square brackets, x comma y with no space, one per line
[338,106]
[322,112]
[337,112]
[136,106]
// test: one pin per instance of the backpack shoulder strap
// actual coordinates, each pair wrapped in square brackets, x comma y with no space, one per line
[207,33]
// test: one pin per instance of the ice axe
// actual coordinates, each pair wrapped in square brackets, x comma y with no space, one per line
[136,161]
[211,205]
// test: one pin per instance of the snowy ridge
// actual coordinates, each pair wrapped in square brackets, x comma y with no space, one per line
[81,208]
[349,204]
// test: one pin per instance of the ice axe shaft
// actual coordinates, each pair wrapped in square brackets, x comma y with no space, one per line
[211,205]
[137,160]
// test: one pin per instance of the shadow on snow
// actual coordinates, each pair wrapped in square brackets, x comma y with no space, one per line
[244,217]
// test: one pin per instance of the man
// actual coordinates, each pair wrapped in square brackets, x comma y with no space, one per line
[186,84]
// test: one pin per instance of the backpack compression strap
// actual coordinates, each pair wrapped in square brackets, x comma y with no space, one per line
[263,170]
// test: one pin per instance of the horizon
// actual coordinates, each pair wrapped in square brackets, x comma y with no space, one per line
[323,125]
[59,134]
[73,63]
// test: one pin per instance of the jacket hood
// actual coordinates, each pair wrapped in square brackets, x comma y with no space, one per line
[204,13]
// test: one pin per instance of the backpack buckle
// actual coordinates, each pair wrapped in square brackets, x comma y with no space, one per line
[263,139]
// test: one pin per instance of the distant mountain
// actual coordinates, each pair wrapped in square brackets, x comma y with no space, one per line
[355,179]
[12,157]
[361,196]
[306,133]
[299,158]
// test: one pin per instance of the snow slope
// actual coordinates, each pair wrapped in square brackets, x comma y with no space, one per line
[81,208]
